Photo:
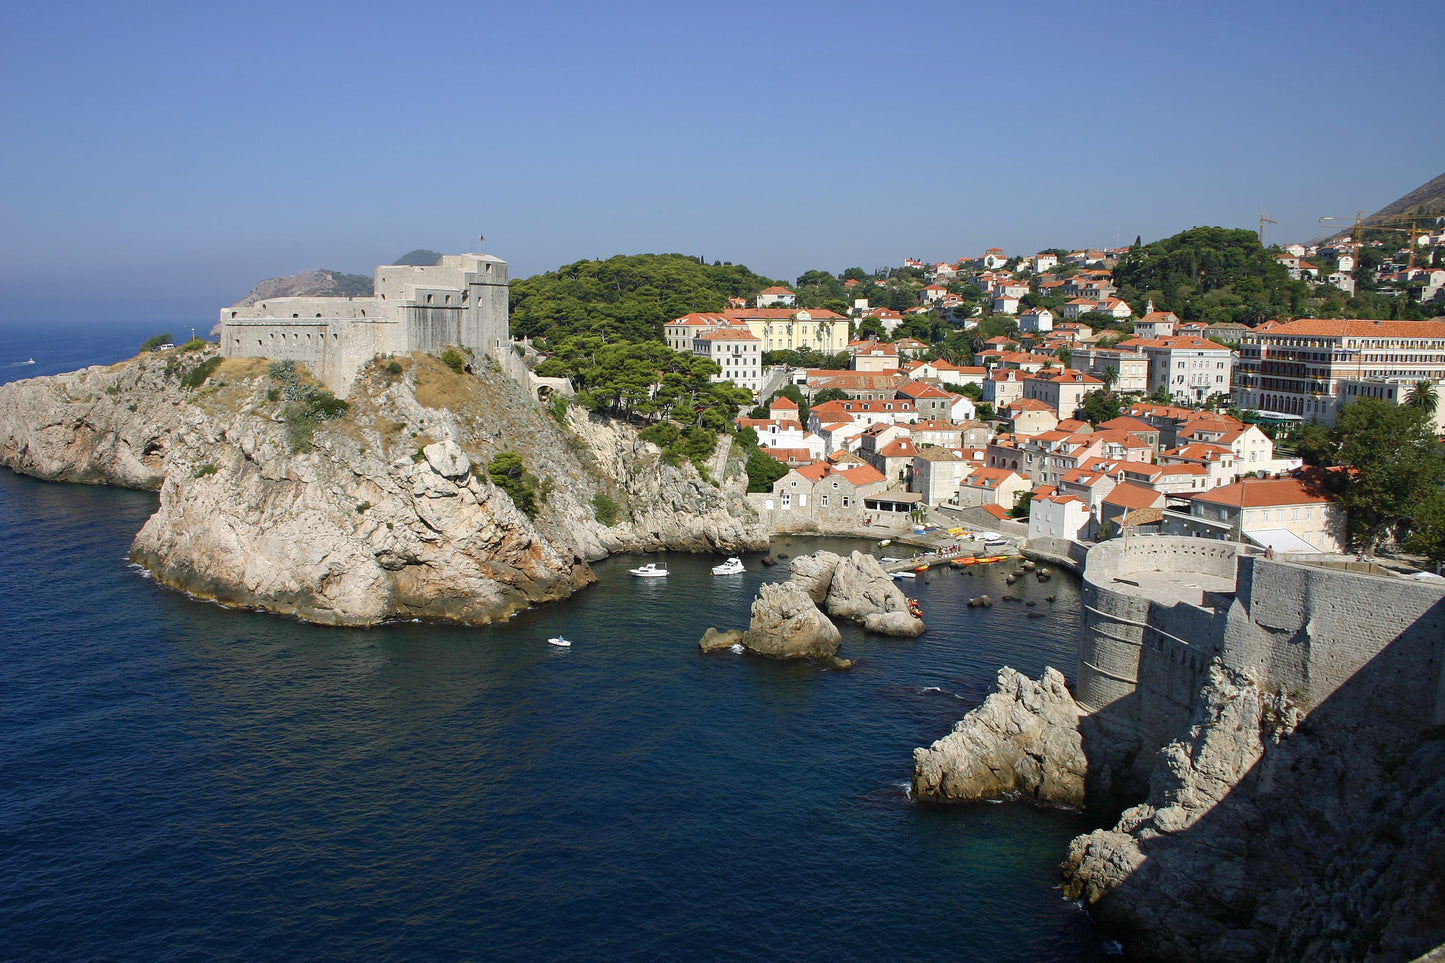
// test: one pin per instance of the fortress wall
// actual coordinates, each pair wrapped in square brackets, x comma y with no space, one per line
[302,341]
[1116,612]
[462,302]
[1307,630]
[354,343]
[1300,629]
[430,328]
[1179,643]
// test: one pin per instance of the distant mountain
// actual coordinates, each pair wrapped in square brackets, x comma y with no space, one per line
[1428,198]
[319,283]
[421,257]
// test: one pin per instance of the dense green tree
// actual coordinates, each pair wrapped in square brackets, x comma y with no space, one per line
[1427,536]
[1101,406]
[1394,463]
[1423,395]
[625,298]
[1210,274]
[645,380]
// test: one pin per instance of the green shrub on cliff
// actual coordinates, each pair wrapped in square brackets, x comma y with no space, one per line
[197,376]
[305,407]
[454,359]
[508,473]
[605,509]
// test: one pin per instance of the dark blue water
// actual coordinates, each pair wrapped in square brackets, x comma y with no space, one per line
[179,781]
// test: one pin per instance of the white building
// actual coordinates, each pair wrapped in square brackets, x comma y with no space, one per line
[736,352]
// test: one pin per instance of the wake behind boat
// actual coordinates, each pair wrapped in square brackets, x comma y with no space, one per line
[733,566]
[650,570]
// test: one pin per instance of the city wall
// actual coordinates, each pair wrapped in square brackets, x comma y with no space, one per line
[1158,609]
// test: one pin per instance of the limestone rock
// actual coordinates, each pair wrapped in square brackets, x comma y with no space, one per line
[447,459]
[860,589]
[1023,739]
[786,624]
[379,516]
[814,573]
[893,623]
[713,639]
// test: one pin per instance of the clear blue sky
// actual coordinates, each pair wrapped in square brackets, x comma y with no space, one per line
[159,158]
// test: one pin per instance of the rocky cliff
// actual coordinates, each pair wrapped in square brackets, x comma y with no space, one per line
[385,512]
[1024,740]
[1268,833]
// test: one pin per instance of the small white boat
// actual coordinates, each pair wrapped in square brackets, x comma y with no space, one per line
[650,570]
[904,575]
[558,640]
[733,566]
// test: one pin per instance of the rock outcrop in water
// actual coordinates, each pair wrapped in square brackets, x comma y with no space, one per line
[1023,740]
[786,624]
[856,588]
[386,512]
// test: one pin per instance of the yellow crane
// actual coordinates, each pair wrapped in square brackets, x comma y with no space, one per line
[1264,219]
[1409,225]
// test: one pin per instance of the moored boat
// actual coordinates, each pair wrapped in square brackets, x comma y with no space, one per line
[559,640]
[733,566]
[650,570]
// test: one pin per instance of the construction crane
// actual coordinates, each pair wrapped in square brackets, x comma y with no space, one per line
[1264,219]
[1408,225]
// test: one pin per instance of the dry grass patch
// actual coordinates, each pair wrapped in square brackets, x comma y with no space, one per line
[237,368]
[437,386]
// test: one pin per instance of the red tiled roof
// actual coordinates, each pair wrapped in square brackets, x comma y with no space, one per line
[1263,492]
[1132,496]
[1358,328]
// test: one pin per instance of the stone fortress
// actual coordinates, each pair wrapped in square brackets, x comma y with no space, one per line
[461,302]
[1159,609]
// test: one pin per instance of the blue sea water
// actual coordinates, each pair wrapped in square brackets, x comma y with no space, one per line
[181,781]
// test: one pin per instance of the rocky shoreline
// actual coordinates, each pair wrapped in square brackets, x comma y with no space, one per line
[1267,829]
[388,512]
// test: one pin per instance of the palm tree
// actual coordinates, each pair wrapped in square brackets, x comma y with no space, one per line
[1109,375]
[1423,395]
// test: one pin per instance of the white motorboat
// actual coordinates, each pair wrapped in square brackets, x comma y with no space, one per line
[558,640]
[733,566]
[650,570]
[898,575]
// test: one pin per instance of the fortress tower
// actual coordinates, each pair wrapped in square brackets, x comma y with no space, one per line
[462,301]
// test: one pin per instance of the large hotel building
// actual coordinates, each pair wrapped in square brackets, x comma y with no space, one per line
[1305,370]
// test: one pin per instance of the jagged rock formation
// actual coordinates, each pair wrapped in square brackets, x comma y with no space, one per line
[1267,836]
[100,425]
[1267,752]
[319,283]
[390,512]
[786,624]
[1023,740]
[861,591]
[814,573]
[855,588]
